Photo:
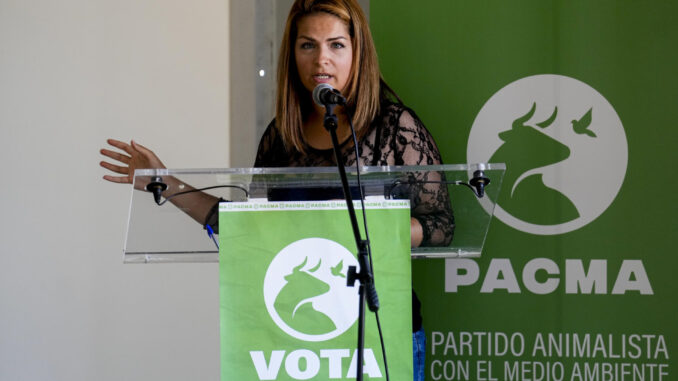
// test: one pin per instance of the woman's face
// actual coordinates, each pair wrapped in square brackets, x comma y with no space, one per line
[323,51]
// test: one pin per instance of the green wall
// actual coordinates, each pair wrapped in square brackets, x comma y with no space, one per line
[446,59]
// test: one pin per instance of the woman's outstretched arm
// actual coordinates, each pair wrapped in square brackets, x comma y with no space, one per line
[132,156]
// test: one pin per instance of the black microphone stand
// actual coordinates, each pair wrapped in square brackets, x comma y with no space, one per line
[365,276]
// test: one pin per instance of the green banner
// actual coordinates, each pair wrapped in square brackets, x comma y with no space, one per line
[286,311]
[578,98]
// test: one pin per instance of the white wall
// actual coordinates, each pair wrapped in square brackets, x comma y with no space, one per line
[73,73]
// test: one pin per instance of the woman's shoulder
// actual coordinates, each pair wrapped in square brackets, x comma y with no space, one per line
[412,140]
[271,150]
[271,129]
[396,116]
[391,108]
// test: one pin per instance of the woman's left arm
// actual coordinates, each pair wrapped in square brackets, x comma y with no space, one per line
[432,222]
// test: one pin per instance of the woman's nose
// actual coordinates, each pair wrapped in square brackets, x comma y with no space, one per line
[323,56]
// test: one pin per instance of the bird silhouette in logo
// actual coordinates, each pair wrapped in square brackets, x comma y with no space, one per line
[581,126]
[337,270]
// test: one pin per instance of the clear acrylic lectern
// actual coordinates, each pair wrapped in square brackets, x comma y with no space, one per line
[166,233]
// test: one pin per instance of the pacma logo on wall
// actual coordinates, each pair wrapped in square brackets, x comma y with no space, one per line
[565,152]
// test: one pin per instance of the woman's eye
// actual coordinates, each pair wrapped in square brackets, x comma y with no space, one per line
[337,45]
[306,45]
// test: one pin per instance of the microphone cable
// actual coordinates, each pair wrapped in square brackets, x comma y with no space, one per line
[201,190]
[367,234]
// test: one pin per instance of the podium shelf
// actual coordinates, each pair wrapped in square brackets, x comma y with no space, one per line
[166,233]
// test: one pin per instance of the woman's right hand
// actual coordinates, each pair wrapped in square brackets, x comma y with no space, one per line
[134,156]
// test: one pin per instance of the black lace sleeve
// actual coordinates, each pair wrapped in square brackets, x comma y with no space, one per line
[414,145]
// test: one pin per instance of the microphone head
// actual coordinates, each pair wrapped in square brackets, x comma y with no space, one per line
[479,181]
[156,186]
[318,90]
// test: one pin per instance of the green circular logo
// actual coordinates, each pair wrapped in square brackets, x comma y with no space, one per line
[305,290]
[565,151]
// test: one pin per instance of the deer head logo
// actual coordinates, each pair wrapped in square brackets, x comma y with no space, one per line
[305,290]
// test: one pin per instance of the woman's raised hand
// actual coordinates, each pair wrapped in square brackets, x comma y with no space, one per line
[134,156]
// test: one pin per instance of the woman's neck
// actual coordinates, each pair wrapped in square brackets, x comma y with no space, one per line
[315,133]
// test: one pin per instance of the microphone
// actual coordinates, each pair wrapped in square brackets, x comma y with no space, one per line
[479,181]
[325,95]
[156,186]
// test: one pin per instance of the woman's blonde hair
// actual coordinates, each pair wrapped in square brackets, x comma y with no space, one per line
[293,101]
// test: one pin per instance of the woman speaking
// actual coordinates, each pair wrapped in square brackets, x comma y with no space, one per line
[329,42]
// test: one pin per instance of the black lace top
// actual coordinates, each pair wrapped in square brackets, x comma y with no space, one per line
[395,137]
